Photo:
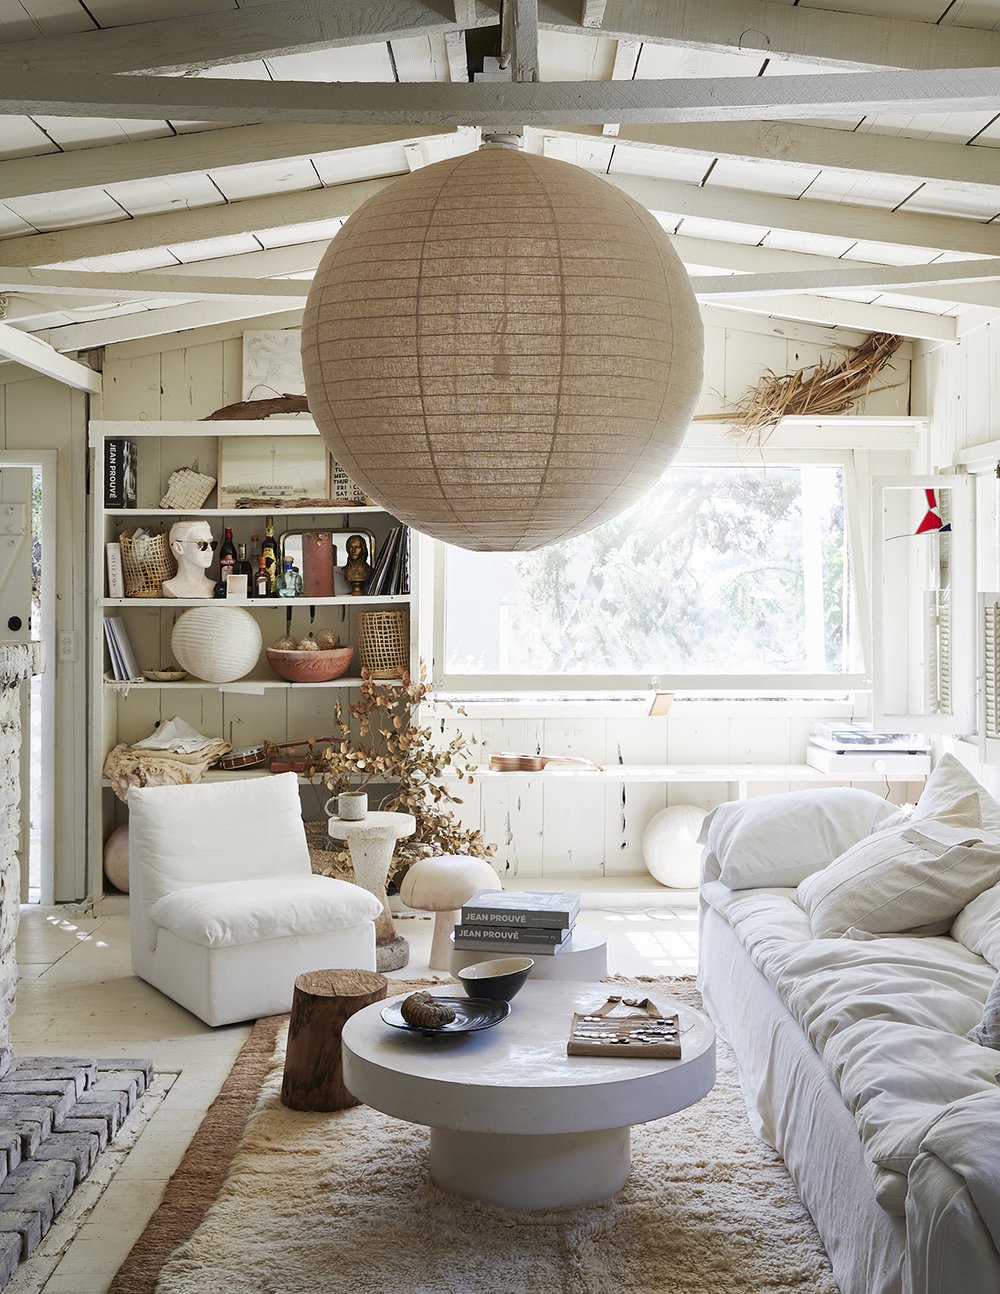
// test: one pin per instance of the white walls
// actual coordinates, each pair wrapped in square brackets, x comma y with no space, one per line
[35,414]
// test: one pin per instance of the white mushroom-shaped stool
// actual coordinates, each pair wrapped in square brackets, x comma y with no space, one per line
[441,885]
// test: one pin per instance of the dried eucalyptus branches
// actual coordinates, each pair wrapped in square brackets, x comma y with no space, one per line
[829,387]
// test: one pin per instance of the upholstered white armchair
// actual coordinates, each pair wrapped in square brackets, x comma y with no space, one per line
[224,908]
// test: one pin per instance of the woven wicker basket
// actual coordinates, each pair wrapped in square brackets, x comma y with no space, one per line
[146,563]
[384,643]
[327,857]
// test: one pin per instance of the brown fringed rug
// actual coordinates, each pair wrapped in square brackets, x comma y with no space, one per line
[329,1203]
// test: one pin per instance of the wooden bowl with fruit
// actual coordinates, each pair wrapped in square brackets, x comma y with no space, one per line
[311,660]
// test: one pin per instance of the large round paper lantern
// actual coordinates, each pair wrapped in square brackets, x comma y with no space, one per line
[216,644]
[502,350]
[670,846]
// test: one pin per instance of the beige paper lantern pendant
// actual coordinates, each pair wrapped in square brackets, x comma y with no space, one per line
[502,350]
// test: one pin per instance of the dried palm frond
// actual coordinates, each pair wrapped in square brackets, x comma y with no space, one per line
[829,387]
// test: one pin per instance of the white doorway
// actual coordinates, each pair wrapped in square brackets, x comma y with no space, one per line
[27,614]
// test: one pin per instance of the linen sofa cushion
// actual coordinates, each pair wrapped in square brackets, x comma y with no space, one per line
[778,840]
[247,912]
[909,879]
[978,926]
[950,782]
[987,1031]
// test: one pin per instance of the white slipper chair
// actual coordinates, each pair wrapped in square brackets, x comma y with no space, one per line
[224,908]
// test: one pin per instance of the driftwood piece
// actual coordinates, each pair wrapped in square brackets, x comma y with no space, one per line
[323,1001]
[248,409]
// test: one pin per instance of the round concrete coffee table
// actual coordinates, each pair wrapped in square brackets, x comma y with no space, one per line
[515,1121]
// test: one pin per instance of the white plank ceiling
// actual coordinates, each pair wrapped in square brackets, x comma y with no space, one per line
[782,144]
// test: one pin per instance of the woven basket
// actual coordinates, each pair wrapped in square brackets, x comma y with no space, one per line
[187,488]
[146,563]
[384,643]
[325,856]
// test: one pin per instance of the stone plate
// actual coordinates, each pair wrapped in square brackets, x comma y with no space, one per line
[471,1014]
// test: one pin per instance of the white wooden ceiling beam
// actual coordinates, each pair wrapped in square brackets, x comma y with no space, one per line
[782,31]
[846,278]
[199,224]
[501,105]
[201,41]
[592,12]
[972,169]
[40,357]
[524,39]
[136,287]
[153,323]
[832,312]
[870,224]
[192,154]
[458,56]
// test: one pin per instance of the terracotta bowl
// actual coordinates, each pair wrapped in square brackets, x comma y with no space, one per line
[310,666]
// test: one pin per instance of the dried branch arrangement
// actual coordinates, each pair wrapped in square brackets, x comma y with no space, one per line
[248,409]
[829,387]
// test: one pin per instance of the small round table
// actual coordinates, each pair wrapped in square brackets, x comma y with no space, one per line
[515,1121]
[371,842]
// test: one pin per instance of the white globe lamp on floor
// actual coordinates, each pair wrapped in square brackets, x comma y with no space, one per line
[670,846]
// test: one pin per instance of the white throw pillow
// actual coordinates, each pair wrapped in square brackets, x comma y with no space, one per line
[950,781]
[906,880]
[779,840]
[978,926]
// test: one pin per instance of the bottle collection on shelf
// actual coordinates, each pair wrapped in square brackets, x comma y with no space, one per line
[267,571]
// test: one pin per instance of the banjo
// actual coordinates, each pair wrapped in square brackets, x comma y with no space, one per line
[249,757]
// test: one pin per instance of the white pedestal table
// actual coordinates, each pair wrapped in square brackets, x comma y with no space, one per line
[371,841]
[515,1121]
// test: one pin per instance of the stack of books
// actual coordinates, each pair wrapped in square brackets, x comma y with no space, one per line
[391,573]
[517,921]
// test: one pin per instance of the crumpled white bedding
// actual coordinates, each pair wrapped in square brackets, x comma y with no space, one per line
[888,1018]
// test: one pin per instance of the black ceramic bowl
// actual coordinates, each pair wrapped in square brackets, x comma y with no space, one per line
[498,979]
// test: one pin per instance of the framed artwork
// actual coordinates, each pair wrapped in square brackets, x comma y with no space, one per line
[283,470]
[272,364]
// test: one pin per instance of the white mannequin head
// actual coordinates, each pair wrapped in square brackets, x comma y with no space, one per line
[193,547]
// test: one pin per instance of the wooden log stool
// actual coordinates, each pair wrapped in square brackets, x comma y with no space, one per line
[321,1004]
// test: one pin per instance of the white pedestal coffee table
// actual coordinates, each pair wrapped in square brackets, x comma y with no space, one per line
[515,1121]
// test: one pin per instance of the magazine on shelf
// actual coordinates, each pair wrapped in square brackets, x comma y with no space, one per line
[521,908]
[123,662]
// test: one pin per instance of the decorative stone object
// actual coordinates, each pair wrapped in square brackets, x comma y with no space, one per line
[502,350]
[216,644]
[670,846]
[116,859]
[424,1011]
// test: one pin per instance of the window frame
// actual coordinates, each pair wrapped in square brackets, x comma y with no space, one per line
[855,509]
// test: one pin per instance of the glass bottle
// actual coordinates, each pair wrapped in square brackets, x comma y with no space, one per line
[262,585]
[243,567]
[227,555]
[286,582]
[269,552]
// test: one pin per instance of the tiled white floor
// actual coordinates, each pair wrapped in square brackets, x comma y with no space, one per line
[77,996]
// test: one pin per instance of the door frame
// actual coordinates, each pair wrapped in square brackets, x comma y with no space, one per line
[46,461]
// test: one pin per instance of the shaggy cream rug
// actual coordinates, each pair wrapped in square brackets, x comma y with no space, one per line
[342,1204]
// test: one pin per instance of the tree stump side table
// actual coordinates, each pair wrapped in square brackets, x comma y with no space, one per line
[371,842]
[322,1002]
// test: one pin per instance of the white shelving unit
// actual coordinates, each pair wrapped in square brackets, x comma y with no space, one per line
[259,707]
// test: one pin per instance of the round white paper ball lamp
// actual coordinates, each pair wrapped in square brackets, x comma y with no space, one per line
[216,644]
[502,349]
[670,846]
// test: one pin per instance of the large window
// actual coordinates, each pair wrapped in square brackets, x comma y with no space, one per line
[721,573]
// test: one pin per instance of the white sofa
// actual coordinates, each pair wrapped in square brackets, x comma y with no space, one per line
[853,1047]
[224,911]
